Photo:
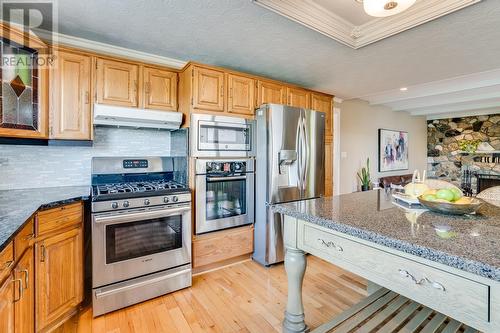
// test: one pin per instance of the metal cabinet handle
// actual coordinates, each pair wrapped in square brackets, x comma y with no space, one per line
[147,88]
[330,244]
[405,273]
[26,277]
[20,289]
[87,97]
[438,285]
[7,264]
[42,256]
[30,236]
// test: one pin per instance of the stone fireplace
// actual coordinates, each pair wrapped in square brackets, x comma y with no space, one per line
[467,170]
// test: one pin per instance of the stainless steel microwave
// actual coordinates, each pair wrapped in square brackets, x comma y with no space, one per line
[221,136]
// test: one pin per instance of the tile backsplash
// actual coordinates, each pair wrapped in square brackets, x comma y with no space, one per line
[41,166]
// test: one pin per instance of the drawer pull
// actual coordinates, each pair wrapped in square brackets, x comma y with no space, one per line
[407,274]
[7,264]
[330,244]
[30,236]
[436,285]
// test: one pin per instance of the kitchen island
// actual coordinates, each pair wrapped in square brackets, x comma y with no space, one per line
[450,264]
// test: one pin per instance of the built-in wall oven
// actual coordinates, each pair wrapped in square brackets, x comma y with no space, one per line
[221,136]
[224,193]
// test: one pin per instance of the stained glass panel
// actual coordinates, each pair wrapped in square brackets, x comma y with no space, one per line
[18,96]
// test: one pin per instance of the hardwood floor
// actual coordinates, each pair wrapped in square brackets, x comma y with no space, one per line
[244,297]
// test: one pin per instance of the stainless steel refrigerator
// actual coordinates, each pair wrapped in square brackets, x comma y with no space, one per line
[289,167]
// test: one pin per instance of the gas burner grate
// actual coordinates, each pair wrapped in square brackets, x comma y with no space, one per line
[139,187]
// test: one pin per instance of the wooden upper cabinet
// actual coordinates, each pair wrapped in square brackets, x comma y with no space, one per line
[117,83]
[323,103]
[59,282]
[208,89]
[160,89]
[241,94]
[270,93]
[24,311]
[7,304]
[70,102]
[298,97]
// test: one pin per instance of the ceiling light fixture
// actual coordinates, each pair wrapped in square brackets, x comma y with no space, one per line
[383,8]
[403,89]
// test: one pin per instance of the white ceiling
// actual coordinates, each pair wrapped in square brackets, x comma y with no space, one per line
[350,10]
[241,35]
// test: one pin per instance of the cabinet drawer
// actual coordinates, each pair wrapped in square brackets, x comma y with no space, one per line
[6,260]
[59,218]
[443,291]
[223,245]
[23,238]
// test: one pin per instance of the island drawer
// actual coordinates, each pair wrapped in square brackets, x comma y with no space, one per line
[6,260]
[59,218]
[443,291]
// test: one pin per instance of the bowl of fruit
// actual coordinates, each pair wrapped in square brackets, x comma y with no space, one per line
[449,201]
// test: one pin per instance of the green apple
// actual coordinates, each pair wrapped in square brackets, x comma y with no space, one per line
[457,194]
[445,194]
[429,197]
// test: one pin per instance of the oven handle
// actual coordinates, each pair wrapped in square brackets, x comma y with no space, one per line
[215,179]
[141,215]
[99,294]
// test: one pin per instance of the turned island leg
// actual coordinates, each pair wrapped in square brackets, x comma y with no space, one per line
[295,266]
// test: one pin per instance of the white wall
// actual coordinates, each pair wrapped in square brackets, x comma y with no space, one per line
[359,124]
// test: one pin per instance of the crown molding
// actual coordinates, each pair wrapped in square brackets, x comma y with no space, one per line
[111,50]
[314,16]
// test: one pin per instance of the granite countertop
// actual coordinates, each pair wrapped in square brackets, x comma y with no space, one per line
[470,243]
[17,206]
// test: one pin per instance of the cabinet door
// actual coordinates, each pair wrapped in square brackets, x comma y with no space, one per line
[208,89]
[298,97]
[323,103]
[270,93]
[241,96]
[24,312]
[59,283]
[160,88]
[328,168]
[7,304]
[117,83]
[70,98]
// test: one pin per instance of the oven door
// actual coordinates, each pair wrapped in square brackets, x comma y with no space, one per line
[224,202]
[137,242]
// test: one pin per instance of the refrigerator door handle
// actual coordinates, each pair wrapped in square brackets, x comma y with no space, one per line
[305,140]
[298,147]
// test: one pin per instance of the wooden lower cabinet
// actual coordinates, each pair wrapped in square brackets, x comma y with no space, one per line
[59,283]
[24,308]
[7,305]
[222,245]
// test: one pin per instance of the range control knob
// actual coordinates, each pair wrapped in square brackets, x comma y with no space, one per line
[126,204]
[166,200]
[146,202]
[216,166]
[237,166]
[175,199]
[114,205]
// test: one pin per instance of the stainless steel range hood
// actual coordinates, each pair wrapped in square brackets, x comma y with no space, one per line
[138,118]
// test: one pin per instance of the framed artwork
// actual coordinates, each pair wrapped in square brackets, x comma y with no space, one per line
[392,150]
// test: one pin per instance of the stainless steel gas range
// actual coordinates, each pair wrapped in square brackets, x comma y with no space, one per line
[141,230]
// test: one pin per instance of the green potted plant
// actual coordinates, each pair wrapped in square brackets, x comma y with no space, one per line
[364,176]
